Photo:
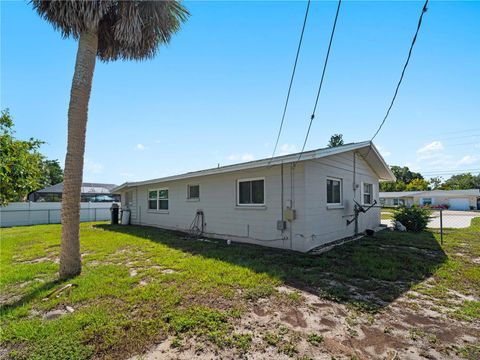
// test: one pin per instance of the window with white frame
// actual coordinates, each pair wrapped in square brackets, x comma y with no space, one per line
[367,193]
[334,191]
[251,191]
[158,199]
[193,192]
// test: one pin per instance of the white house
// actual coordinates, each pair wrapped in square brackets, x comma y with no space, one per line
[291,202]
[453,199]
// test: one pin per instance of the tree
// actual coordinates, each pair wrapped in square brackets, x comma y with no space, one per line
[404,177]
[417,185]
[404,174]
[54,172]
[21,164]
[462,182]
[436,182]
[109,30]
[335,140]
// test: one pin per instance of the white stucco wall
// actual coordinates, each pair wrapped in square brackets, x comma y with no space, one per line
[304,187]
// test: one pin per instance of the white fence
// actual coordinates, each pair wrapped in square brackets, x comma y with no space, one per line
[34,213]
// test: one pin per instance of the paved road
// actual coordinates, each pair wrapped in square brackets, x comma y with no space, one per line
[451,219]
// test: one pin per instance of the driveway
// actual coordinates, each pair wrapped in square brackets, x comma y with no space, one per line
[451,219]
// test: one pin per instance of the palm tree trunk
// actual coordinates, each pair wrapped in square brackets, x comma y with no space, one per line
[70,260]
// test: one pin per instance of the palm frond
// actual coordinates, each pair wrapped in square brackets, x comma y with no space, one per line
[128,30]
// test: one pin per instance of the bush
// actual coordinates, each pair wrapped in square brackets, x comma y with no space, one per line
[414,218]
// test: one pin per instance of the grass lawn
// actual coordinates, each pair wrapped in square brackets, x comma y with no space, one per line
[386,214]
[141,286]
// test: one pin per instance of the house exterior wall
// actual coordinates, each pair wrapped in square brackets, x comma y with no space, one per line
[407,201]
[325,223]
[445,200]
[304,190]
[223,218]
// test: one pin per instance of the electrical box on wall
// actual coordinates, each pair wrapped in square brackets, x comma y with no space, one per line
[281,225]
[289,214]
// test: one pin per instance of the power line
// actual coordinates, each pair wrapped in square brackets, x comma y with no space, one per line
[291,79]
[415,138]
[447,172]
[424,10]
[321,79]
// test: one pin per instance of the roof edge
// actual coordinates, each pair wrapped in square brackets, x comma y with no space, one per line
[284,159]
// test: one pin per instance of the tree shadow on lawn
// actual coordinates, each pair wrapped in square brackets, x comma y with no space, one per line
[369,273]
[26,298]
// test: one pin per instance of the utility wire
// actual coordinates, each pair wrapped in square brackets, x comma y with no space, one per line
[321,79]
[424,10]
[291,78]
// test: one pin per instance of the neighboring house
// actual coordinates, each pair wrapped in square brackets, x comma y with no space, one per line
[91,192]
[282,202]
[453,199]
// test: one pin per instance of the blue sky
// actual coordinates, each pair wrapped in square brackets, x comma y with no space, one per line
[215,94]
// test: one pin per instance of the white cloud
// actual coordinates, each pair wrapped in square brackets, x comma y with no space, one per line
[383,152]
[241,157]
[431,147]
[469,160]
[93,167]
[247,157]
[286,149]
[140,147]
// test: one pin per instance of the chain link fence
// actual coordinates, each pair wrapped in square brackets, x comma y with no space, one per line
[442,221]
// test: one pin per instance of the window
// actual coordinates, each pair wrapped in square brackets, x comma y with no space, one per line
[193,191]
[395,201]
[251,192]
[158,199]
[334,191]
[427,201]
[367,193]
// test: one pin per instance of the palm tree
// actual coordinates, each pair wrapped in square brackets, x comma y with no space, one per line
[109,30]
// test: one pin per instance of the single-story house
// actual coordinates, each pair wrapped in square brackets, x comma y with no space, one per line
[452,199]
[91,192]
[297,201]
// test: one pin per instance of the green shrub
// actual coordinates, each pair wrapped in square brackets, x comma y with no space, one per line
[414,218]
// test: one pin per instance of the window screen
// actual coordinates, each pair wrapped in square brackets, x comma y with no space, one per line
[251,192]
[334,191]
[193,192]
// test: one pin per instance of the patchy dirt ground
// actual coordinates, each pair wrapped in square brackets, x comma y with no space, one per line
[297,324]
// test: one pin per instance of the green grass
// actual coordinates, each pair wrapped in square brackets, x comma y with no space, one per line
[386,214]
[185,288]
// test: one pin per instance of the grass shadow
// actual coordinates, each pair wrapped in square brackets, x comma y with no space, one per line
[368,274]
[32,295]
